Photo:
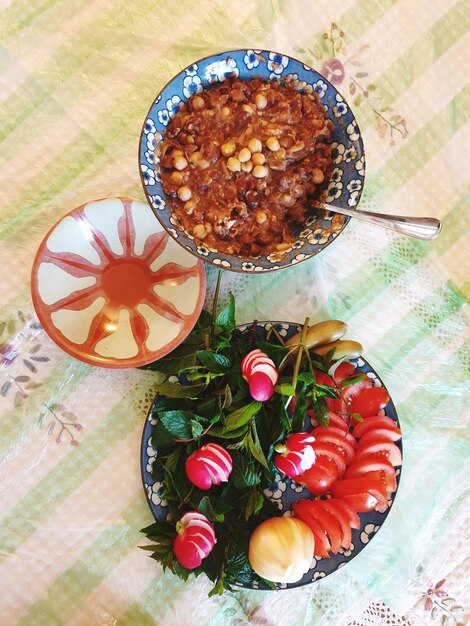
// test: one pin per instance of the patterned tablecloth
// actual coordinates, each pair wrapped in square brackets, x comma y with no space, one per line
[77,78]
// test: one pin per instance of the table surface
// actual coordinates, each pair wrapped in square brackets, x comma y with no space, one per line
[77,78]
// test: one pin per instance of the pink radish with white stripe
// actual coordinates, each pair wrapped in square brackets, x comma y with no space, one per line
[195,539]
[296,455]
[210,465]
[260,373]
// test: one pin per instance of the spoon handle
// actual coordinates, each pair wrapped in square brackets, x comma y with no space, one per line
[420,227]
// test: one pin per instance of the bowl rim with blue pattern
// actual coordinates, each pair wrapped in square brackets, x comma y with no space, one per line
[370,522]
[347,176]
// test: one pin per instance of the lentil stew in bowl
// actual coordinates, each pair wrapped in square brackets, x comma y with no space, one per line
[241,163]
[235,150]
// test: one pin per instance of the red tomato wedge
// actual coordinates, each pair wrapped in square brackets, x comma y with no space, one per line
[349,393]
[328,465]
[384,433]
[338,440]
[344,508]
[318,479]
[381,446]
[343,521]
[372,423]
[323,379]
[337,406]
[323,430]
[354,486]
[322,543]
[333,420]
[368,402]
[374,463]
[323,448]
[360,502]
[329,522]
[343,371]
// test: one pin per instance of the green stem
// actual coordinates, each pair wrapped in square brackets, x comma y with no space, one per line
[300,352]
[214,304]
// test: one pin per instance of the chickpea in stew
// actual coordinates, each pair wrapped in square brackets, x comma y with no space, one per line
[241,163]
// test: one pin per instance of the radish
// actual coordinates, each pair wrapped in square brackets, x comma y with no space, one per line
[260,373]
[295,455]
[195,539]
[210,465]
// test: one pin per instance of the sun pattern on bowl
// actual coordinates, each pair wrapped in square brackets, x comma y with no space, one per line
[347,179]
[112,288]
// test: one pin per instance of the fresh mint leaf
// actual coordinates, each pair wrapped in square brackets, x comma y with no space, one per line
[161,438]
[220,432]
[352,381]
[175,390]
[214,509]
[226,318]
[177,423]
[180,571]
[241,416]
[196,429]
[322,411]
[255,447]
[244,474]
[327,392]
[207,408]
[159,529]
[217,363]
[285,389]
[228,399]
[307,377]
[254,503]
[170,462]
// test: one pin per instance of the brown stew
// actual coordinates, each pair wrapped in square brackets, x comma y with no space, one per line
[242,161]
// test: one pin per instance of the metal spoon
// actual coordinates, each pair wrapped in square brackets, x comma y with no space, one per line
[420,227]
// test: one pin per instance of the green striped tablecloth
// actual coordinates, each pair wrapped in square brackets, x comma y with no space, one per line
[76,79]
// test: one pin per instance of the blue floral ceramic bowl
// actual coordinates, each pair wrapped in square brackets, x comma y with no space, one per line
[347,176]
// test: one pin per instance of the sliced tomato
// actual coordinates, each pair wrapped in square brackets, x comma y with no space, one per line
[373,463]
[361,502]
[323,448]
[339,441]
[353,486]
[337,406]
[390,434]
[322,430]
[330,523]
[322,543]
[346,509]
[343,520]
[317,479]
[334,420]
[379,445]
[343,371]
[373,423]
[323,379]
[329,466]
[368,402]
[351,392]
